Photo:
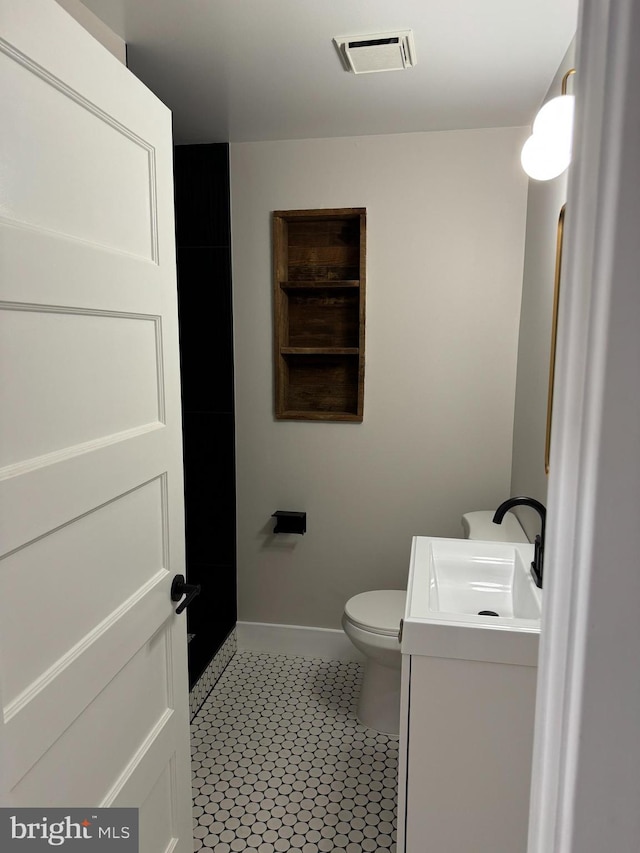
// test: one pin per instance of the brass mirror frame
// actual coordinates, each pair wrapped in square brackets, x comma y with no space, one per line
[554,336]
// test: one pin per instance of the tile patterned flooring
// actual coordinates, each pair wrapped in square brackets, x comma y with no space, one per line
[280,762]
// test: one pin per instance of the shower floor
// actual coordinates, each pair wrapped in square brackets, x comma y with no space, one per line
[280,762]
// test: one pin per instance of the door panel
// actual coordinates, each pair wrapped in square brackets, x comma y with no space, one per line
[128,709]
[64,163]
[96,375]
[122,540]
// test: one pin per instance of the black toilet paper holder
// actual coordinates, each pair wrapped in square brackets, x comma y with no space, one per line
[290,522]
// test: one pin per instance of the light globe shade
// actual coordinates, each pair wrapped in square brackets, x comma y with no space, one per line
[544,159]
[547,152]
[555,118]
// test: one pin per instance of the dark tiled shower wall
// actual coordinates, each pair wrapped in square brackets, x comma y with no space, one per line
[203,236]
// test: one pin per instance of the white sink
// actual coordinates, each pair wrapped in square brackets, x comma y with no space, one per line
[452,580]
[466,578]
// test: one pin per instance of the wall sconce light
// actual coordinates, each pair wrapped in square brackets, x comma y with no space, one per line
[547,152]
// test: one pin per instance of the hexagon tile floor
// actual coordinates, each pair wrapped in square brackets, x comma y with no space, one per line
[280,762]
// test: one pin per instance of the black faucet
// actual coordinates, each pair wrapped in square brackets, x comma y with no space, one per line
[538,546]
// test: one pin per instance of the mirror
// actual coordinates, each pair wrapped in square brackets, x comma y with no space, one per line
[554,336]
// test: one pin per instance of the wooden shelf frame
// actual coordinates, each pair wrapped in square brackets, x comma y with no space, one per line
[319,313]
[319,351]
[308,284]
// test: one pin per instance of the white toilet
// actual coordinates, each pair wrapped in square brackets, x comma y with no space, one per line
[371,620]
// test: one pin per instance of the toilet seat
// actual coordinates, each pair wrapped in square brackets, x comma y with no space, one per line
[378,611]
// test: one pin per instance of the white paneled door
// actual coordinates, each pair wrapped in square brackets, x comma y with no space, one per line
[93,680]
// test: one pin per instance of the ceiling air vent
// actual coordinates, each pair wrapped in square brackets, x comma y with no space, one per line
[379,52]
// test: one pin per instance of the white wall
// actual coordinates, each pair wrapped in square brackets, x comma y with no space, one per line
[543,208]
[446,220]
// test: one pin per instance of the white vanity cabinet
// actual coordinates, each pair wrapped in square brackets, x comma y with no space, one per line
[467,715]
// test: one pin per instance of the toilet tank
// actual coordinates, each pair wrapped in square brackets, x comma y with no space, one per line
[479,525]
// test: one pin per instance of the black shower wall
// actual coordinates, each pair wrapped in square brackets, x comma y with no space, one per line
[203,238]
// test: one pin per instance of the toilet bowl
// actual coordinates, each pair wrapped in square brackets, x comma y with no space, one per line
[371,620]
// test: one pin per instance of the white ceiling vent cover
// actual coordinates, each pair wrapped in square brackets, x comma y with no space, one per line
[379,52]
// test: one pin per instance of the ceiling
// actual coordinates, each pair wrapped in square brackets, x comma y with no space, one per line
[248,70]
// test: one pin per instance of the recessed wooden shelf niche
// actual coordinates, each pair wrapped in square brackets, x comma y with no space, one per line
[319,282]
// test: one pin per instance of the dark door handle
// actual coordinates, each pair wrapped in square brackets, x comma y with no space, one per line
[180,588]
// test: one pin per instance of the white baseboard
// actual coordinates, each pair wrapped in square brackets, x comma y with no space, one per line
[300,640]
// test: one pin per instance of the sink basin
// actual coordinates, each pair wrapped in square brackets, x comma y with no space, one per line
[451,581]
[467,579]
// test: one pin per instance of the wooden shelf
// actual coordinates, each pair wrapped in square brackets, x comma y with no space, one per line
[293,285]
[319,351]
[344,417]
[319,313]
